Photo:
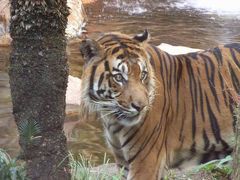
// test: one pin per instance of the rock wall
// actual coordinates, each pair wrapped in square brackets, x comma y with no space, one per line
[4,22]
[4,16]
[76,20]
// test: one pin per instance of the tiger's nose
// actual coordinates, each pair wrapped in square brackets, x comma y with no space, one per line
[138,106]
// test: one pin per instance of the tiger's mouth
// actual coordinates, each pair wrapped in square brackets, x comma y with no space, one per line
[127,117]
[120,114]
[123,116]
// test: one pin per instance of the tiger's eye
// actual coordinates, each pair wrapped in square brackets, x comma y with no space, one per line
[144,75]
[118,77]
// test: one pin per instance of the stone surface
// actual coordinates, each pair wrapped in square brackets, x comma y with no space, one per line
[4,16]
[73,93]
[89,1]
[5,40]
[176,50]
[76,20]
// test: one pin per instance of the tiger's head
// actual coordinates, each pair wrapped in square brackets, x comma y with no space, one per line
[118,80]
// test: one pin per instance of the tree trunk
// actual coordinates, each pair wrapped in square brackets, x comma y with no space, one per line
[38,79]
[236,155]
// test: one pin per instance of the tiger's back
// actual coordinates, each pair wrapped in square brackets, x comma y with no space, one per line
[203,89]
[161,110]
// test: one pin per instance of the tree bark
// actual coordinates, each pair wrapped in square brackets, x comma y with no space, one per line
[38,79]
[236,155]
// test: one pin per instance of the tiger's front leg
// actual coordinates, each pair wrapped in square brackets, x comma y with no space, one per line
[142,172]
[122,165]
[149,168]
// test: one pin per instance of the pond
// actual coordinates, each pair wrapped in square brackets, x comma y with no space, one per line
[192,23]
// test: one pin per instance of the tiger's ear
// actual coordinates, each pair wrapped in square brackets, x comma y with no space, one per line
[89,49]
[143,37]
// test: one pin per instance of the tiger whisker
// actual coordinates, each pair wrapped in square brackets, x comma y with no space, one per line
[111,112]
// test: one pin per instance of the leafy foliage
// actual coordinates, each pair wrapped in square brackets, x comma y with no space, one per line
[29,131]
[9,168]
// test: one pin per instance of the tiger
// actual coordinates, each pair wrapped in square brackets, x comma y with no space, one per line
[158,110]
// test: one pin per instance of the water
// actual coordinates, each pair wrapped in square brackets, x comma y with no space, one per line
[220,7]
[186,23]
[168,21]
[229,8]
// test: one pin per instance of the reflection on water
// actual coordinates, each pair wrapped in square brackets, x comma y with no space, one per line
[166,23]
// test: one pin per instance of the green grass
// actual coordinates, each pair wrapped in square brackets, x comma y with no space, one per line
[10,169]
[82,169]
[221,168]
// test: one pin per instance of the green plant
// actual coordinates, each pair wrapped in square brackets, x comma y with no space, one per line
[12,169]
[29,131]
[218,168]
[9,168]
[82,169]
